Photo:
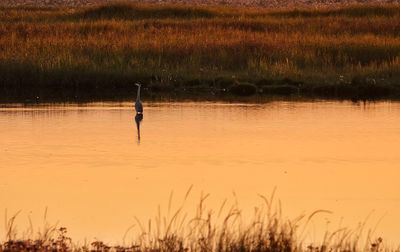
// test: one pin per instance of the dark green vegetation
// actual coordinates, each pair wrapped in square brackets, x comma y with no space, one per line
[98,53]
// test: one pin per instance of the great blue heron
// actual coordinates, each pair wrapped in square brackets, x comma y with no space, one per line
[138,103]
[139,111]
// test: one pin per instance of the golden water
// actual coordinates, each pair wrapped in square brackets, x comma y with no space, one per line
[86,165]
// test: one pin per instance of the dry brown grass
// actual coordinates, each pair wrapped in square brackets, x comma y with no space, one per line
[172,43]
[225,229]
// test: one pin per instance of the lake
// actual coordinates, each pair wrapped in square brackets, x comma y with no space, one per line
[85,164]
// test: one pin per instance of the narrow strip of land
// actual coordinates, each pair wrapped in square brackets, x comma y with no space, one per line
[253,3]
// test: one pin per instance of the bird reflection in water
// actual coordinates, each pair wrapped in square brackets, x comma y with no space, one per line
[139,111]
[138,120]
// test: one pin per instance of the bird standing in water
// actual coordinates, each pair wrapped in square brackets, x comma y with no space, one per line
[138,103]
[139,111]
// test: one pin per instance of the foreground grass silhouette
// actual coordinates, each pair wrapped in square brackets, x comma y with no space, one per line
[99,52]
[224,229]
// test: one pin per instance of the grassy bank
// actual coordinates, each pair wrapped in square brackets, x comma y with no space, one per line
[99,52]
[225,229]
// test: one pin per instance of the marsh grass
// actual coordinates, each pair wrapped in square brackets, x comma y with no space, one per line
[222,229]
[129,11]
[62,52]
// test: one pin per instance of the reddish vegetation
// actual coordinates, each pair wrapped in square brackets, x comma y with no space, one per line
[350,52]
[263,3]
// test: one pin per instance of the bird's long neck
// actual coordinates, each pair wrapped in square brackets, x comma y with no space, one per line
[138,94]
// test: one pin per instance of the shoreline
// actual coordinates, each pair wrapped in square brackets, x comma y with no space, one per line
[285,89]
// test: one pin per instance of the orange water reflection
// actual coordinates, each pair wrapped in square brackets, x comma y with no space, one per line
[85,164]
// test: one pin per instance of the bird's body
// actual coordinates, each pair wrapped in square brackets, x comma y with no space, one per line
[138,103]
[138,107]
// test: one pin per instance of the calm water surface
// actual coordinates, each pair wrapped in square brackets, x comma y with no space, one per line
[86,165]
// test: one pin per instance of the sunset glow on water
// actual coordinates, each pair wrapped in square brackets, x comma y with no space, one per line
[85,164]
